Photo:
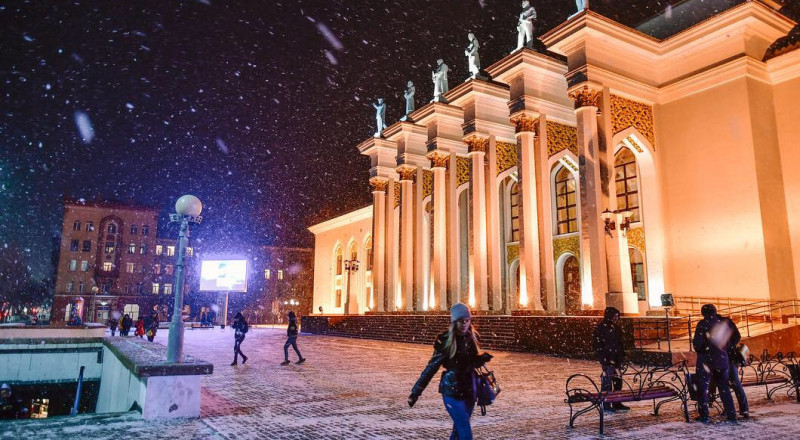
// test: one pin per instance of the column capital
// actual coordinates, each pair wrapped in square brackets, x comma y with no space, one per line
[524,123]
[477,144]
[407,172]
[586,97]
[438,159]
[378,184]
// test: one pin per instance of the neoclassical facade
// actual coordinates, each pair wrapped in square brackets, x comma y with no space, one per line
[626,167]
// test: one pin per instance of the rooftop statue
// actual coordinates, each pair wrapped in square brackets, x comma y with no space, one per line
[525,25]
[380,116]
[473,60]
[439,77]
[409,95]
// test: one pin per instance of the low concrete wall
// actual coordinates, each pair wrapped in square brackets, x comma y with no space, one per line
[21,331]
[559,336]
[50,360]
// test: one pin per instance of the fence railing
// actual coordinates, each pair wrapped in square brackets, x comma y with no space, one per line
[750,316]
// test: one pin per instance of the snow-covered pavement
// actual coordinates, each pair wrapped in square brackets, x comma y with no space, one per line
[357,389]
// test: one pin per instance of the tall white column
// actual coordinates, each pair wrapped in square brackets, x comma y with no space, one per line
[391,247]
[530,285]
[453,234]
[494,242]
[420,246]
[594,275]
[378,243]
[407,237]
[439,262]
[479,288]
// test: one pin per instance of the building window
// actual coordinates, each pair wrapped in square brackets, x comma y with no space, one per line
[155,289]
[134,229]
[87,245]
[84,266]
[338,297]
[637,273]
[339,261]
[131,248]
[189,252]
[627,183]
[145,229]
[90,226]
[108,266]
[129,267]
[159,249]
[112,228]
[157,269]
[170,251]
[131,310]
[81,287]
[280,274]
[143,247]
[167,289]
[73,245]
[70,286]
[168,269]
[267,274]
[370,255]
[514,196]
[73,265]
[76,226]
[109,247]
[566,203]
[127,289]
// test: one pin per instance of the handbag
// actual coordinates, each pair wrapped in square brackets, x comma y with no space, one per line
[487,388]
[743,354]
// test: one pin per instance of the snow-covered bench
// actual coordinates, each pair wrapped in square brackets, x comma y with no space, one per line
[639,382]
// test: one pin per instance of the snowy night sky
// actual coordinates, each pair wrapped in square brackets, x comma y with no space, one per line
[253,106]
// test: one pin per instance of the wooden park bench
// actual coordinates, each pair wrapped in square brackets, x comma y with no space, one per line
[639,382]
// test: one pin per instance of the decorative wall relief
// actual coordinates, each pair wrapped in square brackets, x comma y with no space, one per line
[569,244]
[629,113]
[636,239]
[561,137]
[462,170]
[506,156]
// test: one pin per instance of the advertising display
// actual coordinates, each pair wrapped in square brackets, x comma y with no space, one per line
[223,276]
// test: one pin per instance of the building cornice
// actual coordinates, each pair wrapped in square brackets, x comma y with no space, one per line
[732,70]
[343,220]
[784,67]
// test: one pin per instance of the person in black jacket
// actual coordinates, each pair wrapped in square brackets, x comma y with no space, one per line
[607,341]
[125,325]
[10,406]
[151,327]
[291,332]
[735,360]
[112,322]
[711,341]
[241,327]
[457,351]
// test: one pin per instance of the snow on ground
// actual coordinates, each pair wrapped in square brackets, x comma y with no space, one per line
[357,389]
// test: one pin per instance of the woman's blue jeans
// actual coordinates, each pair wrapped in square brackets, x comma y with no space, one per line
[460,411]
[291,342]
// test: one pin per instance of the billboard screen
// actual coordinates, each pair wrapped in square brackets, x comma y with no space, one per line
[223,276]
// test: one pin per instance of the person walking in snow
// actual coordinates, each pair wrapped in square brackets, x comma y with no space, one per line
[241,327]
[152,327]
[112,325]
[607,341]
[457,351]
[291,332]
[139,327]
[125,325]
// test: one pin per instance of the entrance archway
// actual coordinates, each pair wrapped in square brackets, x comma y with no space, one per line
[572,285]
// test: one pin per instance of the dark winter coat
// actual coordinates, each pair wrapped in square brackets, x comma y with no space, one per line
[112,323]
[291,331]
[458,379]
[710,344]
[11,408]
[607,340]
[126,324]
[241,327]
[736,338]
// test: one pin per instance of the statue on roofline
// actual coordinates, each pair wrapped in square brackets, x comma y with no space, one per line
[439,77]
[380,116]
[408,94]
[473,59]
[525,25]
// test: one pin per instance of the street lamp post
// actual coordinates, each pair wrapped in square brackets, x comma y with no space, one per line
[188,209]
[95,289]
[350,266]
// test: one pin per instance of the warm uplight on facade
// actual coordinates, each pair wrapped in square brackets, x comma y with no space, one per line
[398,302]
[523,291]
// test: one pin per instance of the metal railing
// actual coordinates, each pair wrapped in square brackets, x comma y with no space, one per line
[750,316]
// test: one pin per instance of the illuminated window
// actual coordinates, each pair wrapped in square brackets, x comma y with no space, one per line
[143,248]
[155,289]
[370,254]
[189,252]
[76,226]
[566,203]
[267,274]
[81,287]
[73,245]
[157,269]
[338,296]
[134,229]
[514,211]
[87,245]
[70,286]
[280,274]
[339,261]
[109,247]
[167,289]
[159,249]
[131,310]
[627,183]
[90,226]
[84,266]
[170,251]
[131,248]
[129,267]
[145,229]
[112,228]
[637,273]
[73,265]
[168,269]
[107,266]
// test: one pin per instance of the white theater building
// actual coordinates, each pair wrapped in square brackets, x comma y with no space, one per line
[641,165]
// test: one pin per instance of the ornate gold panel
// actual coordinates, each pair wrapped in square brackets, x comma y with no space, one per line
[462,170]
[512,252]
[628,113]
[506,156]
[561,137]
[636,239]
[397,187]
[427,183]
[569,244]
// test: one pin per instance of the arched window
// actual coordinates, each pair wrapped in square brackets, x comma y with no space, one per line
[627,183]
[566,202]
[353,251]
[338,281]
[112,228]
[637,273]
[514,211]
[339,261]
[370,255]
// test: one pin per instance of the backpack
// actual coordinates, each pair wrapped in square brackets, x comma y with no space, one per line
[244,327]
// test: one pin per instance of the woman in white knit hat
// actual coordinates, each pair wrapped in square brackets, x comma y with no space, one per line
[457,351]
